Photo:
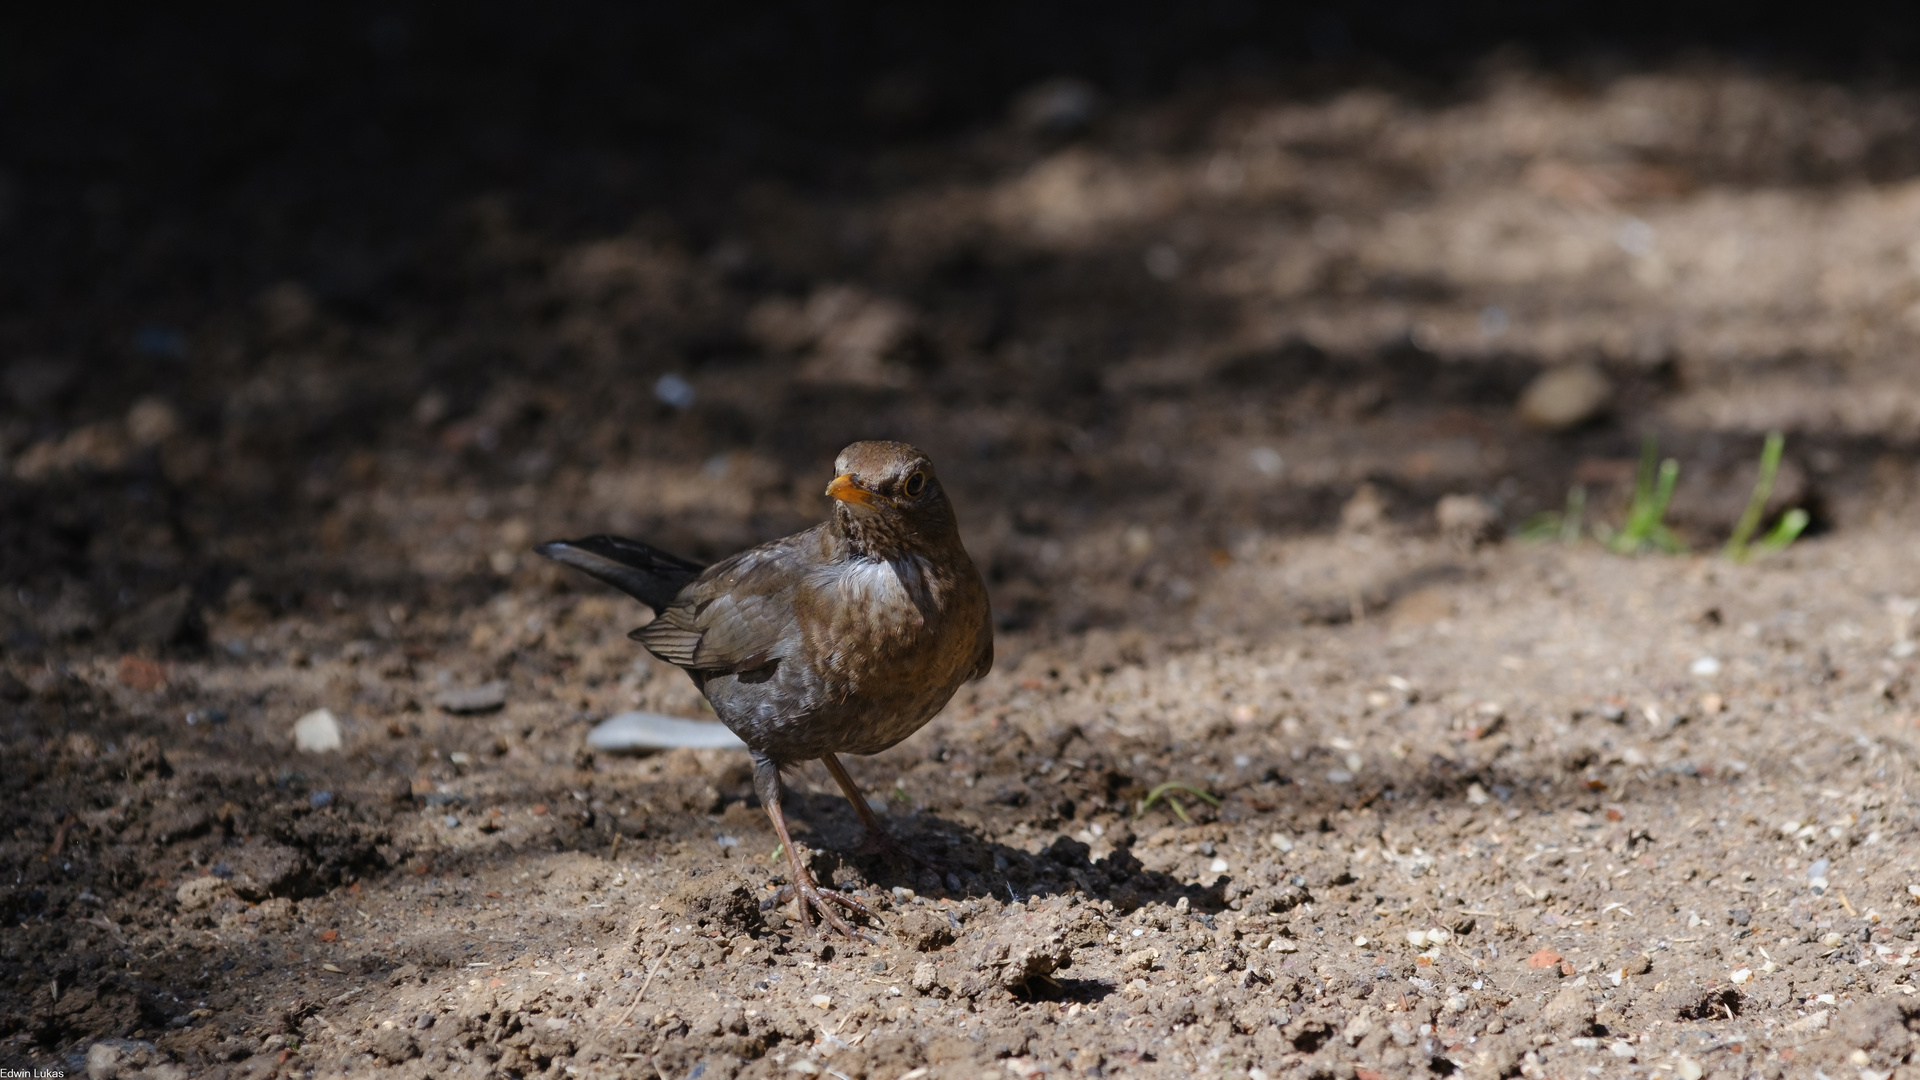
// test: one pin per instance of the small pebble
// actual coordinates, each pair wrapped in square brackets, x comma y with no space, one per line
[674,391]
[320,800]
[318,732]
[1705,667]
[1689,1069]
[451,821]
[1280,842]
[1218,866]
[1741,975]
[465,701]
[821,1001]
[1564,397]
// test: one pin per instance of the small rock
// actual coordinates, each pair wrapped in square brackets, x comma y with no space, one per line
[151,422]
[923,929]
[1364,511]
[674,390]
[200,893]
[820,1001]
[318,732]
[1563,398]
[485,698]
[1545,958]
[655,731]
[1570,1012]
[1468,520]
[1689,1069]
[111,1059]
[1817,873]
[925,978]
[262,869]
[394,1045]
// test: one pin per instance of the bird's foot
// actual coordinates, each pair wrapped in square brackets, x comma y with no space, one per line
[814,898]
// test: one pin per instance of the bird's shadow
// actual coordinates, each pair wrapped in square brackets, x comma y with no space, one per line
[961,864]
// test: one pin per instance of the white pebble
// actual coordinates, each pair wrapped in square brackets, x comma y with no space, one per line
[1706,667]
[1218,866]
[1477,795]
[821,1001]
[1279,842]
[318,732]
[1741,975]
[1689,1069]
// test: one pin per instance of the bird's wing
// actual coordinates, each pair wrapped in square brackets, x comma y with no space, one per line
[735,616]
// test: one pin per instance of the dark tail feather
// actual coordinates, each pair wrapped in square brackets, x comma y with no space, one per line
[647,574]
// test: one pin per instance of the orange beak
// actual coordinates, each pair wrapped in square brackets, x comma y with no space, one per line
[844,489]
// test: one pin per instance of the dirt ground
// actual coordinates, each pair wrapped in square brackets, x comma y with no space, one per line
[1200,373]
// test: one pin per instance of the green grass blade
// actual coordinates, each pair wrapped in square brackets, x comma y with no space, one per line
[1736,549]
[1164,792]
[1792,524]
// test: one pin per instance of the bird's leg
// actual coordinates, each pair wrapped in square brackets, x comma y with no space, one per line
[879,841]
[766,781]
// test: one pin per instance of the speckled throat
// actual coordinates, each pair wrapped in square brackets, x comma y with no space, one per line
[887,534]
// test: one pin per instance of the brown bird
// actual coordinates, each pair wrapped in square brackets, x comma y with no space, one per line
[843,639]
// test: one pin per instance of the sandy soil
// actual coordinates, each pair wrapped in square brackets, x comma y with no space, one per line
[1200,378]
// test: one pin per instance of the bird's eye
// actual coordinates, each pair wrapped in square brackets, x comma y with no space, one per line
[915,484]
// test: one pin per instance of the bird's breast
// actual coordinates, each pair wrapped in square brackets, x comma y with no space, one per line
[883,620]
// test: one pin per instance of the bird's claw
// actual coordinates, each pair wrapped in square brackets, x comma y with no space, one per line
[813,896]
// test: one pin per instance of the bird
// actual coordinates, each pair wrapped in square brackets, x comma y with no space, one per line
[844,638]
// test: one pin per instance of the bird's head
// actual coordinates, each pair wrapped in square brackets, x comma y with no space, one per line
[888,498]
